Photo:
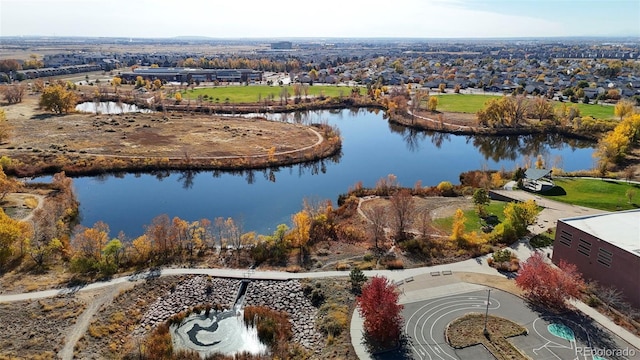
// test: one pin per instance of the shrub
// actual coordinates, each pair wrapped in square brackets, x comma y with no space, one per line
[445,188]
[502,255]
[368,257]
[342,266]
[333,319]
[541,240]
[394,264]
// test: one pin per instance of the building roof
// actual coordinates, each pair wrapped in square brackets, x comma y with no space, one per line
[536,174]
[621,229]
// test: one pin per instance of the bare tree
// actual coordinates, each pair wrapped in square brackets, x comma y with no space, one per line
[611,297]
[13,94]
[424,222]
[403,208]
[377,222]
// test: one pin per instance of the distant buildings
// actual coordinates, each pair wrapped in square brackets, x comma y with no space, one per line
[187,75]
[282,45]
[605,248]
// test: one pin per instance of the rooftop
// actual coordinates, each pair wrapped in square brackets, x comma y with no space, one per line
[621,229]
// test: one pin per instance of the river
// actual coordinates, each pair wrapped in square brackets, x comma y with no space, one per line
[371,149]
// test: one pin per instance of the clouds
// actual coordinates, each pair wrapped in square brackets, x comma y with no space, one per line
[328,18]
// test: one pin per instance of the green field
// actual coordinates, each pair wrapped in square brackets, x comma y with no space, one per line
[595,193]
[473,222]
[253,93]
[465,103]
[593,110]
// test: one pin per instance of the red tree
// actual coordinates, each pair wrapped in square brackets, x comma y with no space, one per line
[547,284]
[378,305]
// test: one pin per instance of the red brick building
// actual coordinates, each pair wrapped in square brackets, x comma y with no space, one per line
[605,248]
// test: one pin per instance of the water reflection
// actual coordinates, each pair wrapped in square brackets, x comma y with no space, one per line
[109,107]
[513,147]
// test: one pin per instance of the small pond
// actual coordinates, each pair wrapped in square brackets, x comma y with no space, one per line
[221,332]
[109,107]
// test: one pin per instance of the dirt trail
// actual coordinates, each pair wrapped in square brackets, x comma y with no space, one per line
[96,301]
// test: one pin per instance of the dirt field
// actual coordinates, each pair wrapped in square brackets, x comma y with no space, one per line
[174,135]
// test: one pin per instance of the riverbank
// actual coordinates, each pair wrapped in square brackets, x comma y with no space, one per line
[464,124]
[86,144]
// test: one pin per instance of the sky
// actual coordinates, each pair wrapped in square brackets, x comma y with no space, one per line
[327,18]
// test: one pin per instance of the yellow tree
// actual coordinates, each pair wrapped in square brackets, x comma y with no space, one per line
[5,127]
[432,103]
[57,99]
[457,231]
[541,108]
[300,233]
[89,242]
[7,184]
[142,249]
[12,234]
[623,108]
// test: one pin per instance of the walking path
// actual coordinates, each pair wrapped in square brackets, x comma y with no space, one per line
[550,214]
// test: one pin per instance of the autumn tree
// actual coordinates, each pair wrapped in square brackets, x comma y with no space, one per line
[141,249]
[57,99]
[9,65]
[617,143]
[458,228]
[506,111]
[13,94]
[158,235]
[116,81]
[88,242]
[7,184]
[623,108]
[402,211]
[5,128]
[13,234]
[432,103]
[34,62]
[378,305]
[541,108]
[300,232]
[44,240]
[549,285]
[521,215]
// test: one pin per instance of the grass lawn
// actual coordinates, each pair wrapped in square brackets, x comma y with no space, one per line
[251,93]
[463,103]
[595,193]
[593,110]
[473,220]
[471,103]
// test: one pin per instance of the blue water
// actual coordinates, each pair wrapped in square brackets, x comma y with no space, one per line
[372,149]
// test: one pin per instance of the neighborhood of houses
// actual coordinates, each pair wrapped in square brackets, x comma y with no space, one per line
[532,67]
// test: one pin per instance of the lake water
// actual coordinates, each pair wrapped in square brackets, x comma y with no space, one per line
[109,107]
[371,149]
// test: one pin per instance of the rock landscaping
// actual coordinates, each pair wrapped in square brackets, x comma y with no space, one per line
[284,296]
